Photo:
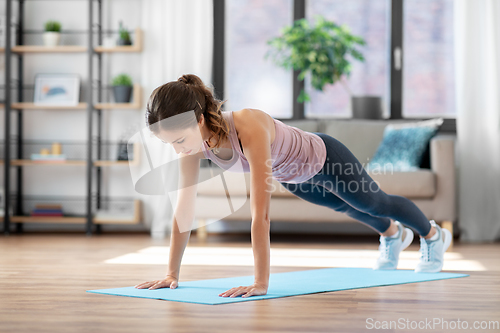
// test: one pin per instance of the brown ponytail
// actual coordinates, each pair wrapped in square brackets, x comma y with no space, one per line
[186,94]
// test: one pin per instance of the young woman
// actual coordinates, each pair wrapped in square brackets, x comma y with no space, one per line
[314,166]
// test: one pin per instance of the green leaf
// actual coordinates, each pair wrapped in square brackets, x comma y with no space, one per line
[324,50]
[122,80]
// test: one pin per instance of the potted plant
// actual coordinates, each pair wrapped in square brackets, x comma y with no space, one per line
[52,33]
[122,88]
[323,50]
[124,36]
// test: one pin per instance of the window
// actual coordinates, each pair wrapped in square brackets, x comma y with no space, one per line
[428,60]
[250,80]
[369,19]
[423,88]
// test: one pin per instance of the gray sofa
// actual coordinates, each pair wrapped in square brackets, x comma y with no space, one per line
[432,187]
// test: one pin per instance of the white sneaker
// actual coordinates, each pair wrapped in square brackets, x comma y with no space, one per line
[390,248]
[432,252]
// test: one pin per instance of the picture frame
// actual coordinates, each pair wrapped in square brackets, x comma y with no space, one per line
[57,89]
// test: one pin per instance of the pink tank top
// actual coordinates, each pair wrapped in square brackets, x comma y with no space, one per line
[297,155]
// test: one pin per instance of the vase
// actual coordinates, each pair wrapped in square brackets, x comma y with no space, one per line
[367,107]
[122,42]
[122,94]
[51,38]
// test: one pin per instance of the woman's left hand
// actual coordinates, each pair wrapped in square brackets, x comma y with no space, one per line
[253,290]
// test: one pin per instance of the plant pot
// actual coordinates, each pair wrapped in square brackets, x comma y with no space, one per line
[123,42]
[122,94]
[367,107]
[51,38]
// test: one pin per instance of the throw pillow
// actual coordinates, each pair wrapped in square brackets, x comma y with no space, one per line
[403,145]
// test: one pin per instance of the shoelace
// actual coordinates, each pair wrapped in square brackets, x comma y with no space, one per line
[384,247]
[424,250]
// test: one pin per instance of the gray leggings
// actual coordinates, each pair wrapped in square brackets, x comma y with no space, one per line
[345,186]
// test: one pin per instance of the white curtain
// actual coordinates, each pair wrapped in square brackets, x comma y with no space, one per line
[178,39]
[477,51]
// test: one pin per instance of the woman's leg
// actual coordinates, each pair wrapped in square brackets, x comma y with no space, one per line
[319,195]
[344,175]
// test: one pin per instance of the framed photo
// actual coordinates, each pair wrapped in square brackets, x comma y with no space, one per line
[57,89]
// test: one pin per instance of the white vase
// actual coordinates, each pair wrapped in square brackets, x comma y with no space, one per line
[51,38]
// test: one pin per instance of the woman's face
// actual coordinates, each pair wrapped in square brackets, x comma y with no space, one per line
[187,141]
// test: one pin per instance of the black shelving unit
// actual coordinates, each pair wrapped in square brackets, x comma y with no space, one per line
[94,33]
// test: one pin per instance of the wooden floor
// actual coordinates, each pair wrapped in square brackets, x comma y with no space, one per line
[43,279]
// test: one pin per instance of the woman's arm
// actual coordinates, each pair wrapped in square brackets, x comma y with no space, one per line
[189,166]
[256,141]
[189,169]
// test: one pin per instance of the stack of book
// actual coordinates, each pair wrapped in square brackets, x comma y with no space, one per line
[47,210]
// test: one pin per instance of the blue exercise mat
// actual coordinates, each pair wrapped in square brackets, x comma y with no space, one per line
[281,284]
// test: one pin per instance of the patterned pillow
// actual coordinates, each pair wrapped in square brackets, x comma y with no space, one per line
[403,145]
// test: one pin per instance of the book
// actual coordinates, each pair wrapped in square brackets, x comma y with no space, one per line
[46,211]
[48,206]
[46,214]
[41,157]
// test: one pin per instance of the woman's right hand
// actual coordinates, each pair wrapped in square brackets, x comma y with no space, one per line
[169,281]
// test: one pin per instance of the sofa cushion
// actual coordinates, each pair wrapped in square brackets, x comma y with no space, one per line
[361,137]
[420,183]
[404,145]
[415,184]
[238,186]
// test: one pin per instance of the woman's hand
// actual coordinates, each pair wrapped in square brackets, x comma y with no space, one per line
[253,290]
[169,281]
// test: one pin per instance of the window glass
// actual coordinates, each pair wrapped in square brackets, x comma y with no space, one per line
[250,80]
[428,61]
[369,19]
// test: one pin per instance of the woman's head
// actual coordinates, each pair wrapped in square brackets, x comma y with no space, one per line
[195,110]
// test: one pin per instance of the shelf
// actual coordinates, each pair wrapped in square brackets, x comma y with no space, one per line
[31,162]
[133,219]
[136,47]
[33,106]
[49,49]
[48,219]
[101,163]
[97,163]
[128,214]
[136,104]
